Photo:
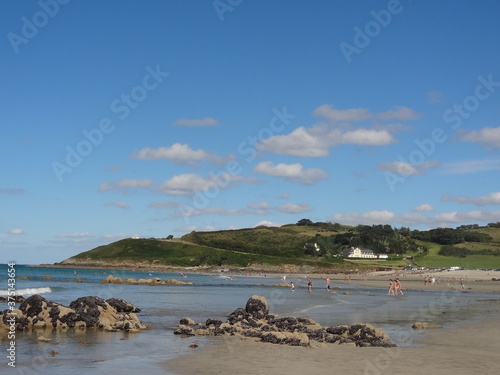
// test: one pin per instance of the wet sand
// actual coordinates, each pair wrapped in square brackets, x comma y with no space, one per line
[470,348]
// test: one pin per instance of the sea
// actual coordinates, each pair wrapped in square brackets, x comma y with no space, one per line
[212,296]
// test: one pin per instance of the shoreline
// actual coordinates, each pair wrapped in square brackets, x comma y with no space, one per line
[485,281]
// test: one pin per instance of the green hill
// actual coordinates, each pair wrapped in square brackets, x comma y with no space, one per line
[313,245]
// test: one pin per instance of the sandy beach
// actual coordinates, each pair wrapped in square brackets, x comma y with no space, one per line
[472,347]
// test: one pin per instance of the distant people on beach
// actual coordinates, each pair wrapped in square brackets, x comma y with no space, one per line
[309,284]
[328,284]
[397,287]
[391,288]
[462,285]
[394,287]
[292,286]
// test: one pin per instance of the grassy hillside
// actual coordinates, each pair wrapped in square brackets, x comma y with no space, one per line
[270,246]
[472,261]
[284,241]
[182,254]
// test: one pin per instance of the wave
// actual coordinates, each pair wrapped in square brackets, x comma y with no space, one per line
[27,291]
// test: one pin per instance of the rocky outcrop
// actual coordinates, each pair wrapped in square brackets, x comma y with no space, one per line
[85,312]
[154,281]
[255,321]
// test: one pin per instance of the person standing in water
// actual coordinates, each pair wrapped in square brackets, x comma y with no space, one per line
[328,284]
[309,284]
[391,288]
[292,286]
[397,287]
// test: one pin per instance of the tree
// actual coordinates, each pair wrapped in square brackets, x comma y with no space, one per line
[304,222]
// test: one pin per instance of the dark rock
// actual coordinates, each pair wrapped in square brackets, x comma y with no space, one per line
[257,307]
[187,321]
[184,330]
[286,324]
[87,309]
[215,322]
[122,306]
[237,316]
[32,306]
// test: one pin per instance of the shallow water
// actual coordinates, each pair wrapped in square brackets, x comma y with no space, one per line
[212,296]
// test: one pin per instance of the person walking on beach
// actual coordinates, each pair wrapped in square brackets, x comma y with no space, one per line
[391,288]
[397,287]
[309,284]
[328,284]
[462,285]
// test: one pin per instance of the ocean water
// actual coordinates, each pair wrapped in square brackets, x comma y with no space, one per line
[212,296]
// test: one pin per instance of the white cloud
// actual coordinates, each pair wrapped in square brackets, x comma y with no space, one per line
[362,114]
[367,137]
[488,137]
[125,186]
[267,223]
[207,121]
[317,141]
[468,217]
[180,154]
[471,166]
[413,219]
[492,198]
[407,169]
[189,183]
[424,208]
[291,172]
[301,142]
[119,204]
[294,208]
[16,231]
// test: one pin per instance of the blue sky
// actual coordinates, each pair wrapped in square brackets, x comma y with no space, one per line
[150,118]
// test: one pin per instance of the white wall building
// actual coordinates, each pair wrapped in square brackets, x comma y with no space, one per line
[356,252]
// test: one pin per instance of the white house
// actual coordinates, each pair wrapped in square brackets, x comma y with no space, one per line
[356,252]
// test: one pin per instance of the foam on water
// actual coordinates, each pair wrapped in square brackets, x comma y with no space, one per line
[27,291]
